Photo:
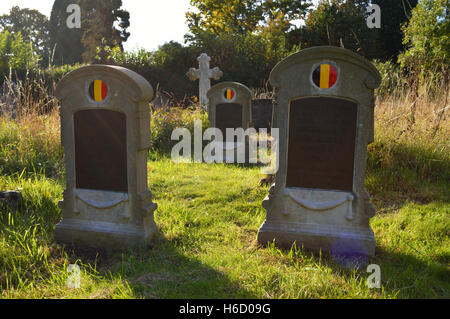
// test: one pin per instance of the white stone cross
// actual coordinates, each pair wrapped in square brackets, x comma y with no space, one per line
[204,74]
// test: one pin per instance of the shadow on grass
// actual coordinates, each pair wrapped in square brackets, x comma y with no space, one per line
[162,271]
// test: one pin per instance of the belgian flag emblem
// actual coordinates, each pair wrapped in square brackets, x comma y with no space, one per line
[229,94]
[98,90]
[325,76]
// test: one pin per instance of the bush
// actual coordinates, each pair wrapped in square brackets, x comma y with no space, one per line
[427,35]
[393,81]
[15,53]
[164,68]
[165,120]
[247,59]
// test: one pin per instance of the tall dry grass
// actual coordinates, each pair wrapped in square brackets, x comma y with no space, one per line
[29,127]
[416,120]
[412,144]
[410,158]
[33,95]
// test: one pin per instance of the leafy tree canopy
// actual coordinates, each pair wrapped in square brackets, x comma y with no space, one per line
[389,38]
[240,16]
[16,53]
[427,36]
[344,23]
[33,26]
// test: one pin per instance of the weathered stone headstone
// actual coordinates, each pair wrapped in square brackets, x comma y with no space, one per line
[204,74]
[105,133]
[262,114]
[324,109]
[230,107]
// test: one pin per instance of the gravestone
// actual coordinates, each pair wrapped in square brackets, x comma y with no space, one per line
[105,132]
[324,109]
[230,107]
[262,114]
[204,74]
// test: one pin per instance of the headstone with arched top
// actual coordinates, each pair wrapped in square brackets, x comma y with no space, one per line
[324,109]
[105,133]
[230,108]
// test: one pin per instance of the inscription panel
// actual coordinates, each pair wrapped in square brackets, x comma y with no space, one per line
[228,115]
[101,150]
[262,113]
[321,147]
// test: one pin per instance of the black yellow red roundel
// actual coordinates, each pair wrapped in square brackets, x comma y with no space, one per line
[229,94]
[325,76]
[98,91]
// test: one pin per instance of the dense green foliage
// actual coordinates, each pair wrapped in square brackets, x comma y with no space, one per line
[34,28]
[236,17]
[389,38]
[343,23]
[427,36]
[15,53]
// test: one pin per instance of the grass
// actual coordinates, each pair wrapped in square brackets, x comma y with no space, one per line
[209,215]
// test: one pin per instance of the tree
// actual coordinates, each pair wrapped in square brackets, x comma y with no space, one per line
[240,16]
[389,38]
[15,53]
[428,41]
[103,24]
[65,43]
[247,58]
[337,23]
[344,23]
[245,37]
[33,26]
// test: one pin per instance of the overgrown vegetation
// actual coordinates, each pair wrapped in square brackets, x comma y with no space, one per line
[208,215]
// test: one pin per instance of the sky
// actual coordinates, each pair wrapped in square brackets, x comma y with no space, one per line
[153,22]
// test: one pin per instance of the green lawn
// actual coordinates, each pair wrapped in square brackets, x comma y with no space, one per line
[208,216]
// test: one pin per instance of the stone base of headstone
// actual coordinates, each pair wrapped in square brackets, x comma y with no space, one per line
[109,236]
[316,220]
[335,240]
[98,231]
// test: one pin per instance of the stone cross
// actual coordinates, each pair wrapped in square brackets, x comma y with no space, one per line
[204,74]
